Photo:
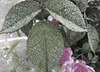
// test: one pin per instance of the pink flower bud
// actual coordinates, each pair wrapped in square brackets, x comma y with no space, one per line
[55,22]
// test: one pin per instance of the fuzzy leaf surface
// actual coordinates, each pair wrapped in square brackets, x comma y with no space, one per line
[67,13]
[86,48]
[45,45]
[20,15]
[93,38]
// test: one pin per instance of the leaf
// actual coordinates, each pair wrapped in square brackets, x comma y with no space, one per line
[37,70]
[24,66]
[82,4]
[20,15]
[12,47]
[45,14]
[77,49]
[86,48]
[90,55]
[95,3]
[73,37]
[98,49]
[10,66]
[39,1]
[25,29]
[45,45]
[16,60]
[94,16]
[94,59]
[65,29]
[13,70]
[93,38]
[6,48]
[66,13]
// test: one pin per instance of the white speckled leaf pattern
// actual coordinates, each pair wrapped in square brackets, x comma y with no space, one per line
[45,45]
[20,15]
[93,38]
[67,13]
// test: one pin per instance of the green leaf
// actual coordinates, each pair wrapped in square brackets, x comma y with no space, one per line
[73,37]
[95,3]
[94,59]
[57,67]
[20,15]
[94,16]
[98,49]
[77,49]
[12,47]
[24,66]
[45,45]
[86,48]
[45,14]
[93,38]
[37,70]
[6,48]
[65,29]
[39,1]
[90,55]
[67,13]
[13,70]
[16,60]
[10,66]
[25,29]
[82,4]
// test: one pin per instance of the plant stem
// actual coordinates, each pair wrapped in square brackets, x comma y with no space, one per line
[79,55]
[19,64]
[42,10]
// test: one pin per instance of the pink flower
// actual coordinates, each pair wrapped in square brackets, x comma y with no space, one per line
[66,56]
[69,65]
[90,0]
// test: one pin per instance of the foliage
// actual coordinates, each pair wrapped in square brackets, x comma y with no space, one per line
[79,28]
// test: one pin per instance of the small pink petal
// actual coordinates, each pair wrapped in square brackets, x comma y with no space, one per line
[79,67]
[83,62]
[63,69]
[77,61]
[66,56]
[66,67]
[90,69]
[55,22]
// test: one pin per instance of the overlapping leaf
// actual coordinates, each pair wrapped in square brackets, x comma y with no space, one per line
[73,37]
[93,38]
[20,15]
[25,29]
[45,45]
[86,48]
[82,4]
[67,13]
